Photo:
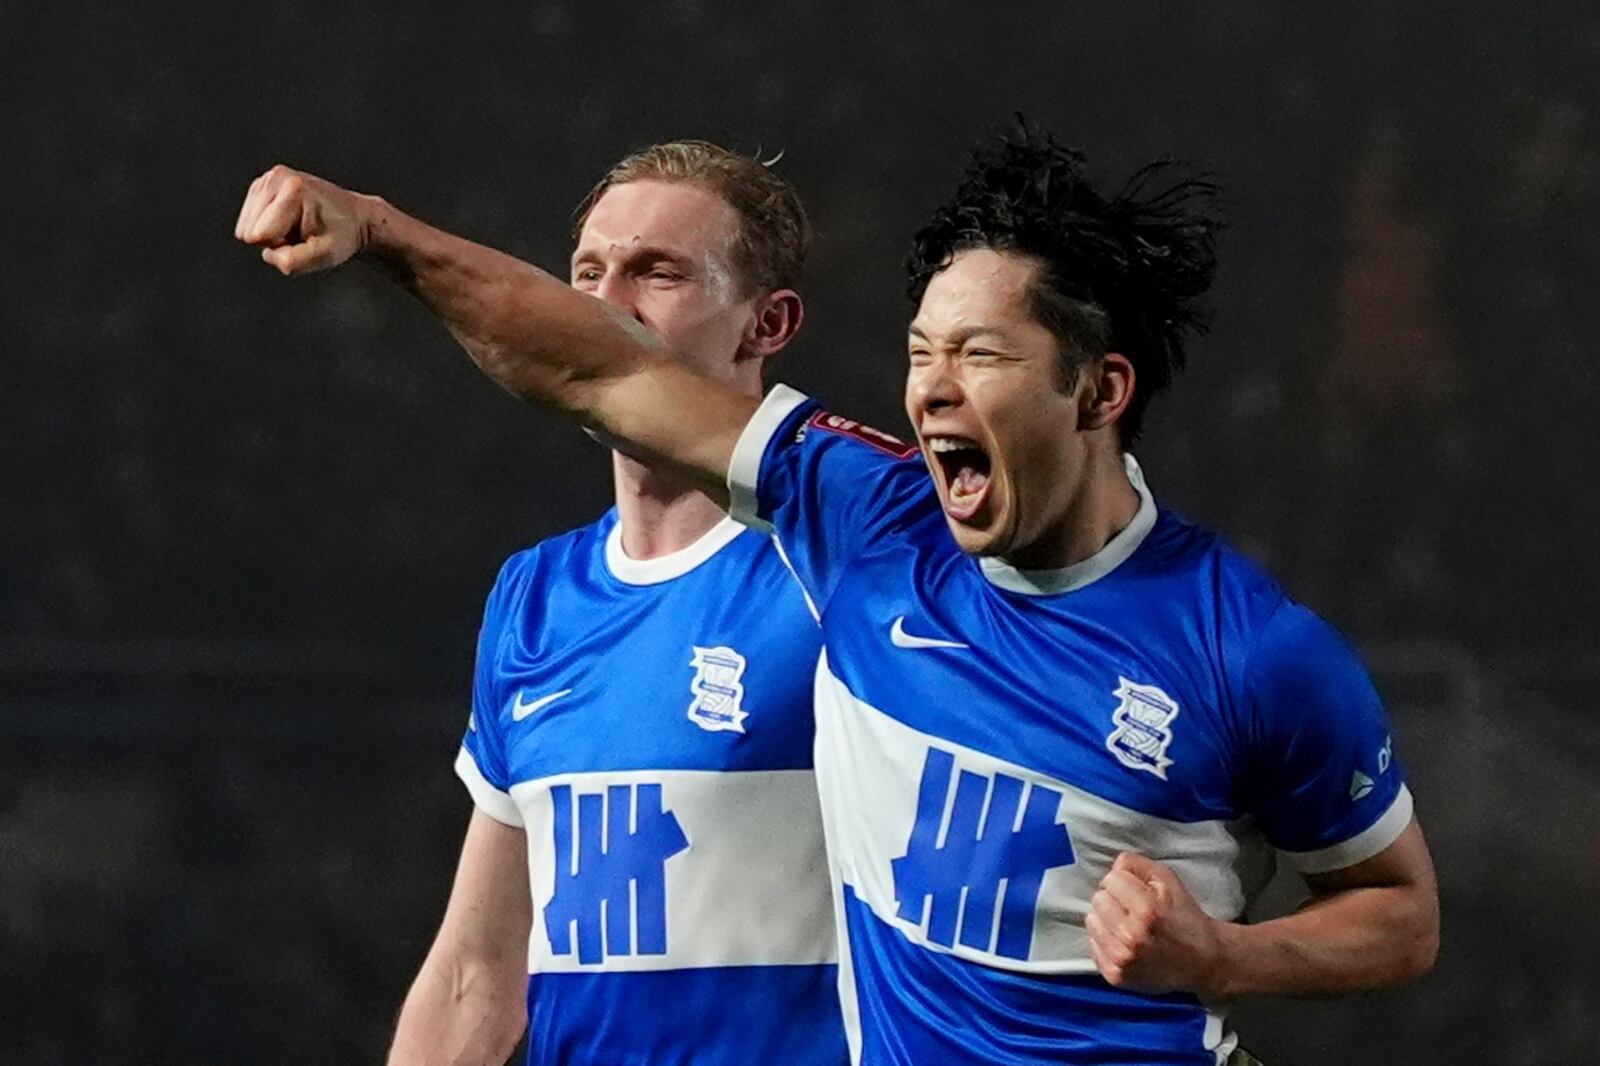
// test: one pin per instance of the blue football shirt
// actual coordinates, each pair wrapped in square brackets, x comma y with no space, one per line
[649,724]
[989,739]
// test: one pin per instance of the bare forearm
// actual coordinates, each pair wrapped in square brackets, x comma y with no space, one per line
[530,332]
[1349,941]
[460,1015]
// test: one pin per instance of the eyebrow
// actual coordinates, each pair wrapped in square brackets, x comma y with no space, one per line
[646,253]
[962,336]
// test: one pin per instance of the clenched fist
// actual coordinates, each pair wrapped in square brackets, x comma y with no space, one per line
[1146,932]
[301,223]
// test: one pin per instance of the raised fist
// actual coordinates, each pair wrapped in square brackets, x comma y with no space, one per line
[301,223]
[1146,931]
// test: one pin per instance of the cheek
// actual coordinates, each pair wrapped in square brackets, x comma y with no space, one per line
[1033,430]
[679,315]
[704,333]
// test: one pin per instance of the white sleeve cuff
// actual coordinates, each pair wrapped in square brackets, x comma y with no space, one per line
[490,800]
[744,468]
[1361,847]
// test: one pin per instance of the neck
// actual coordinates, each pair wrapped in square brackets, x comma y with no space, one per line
[1100,506]
[659,511]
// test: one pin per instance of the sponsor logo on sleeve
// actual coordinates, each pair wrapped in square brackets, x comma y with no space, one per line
[1362,785]
[875,438]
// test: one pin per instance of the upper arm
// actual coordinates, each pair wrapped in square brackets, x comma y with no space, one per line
[828,486]
[490,911]
[1403,879]
[1406,863]
[1322,780]
[546,342]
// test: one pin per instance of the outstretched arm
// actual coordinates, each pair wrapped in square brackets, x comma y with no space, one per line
[537,337]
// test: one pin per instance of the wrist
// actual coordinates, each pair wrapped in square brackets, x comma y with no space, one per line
[376,217]
[1217,980]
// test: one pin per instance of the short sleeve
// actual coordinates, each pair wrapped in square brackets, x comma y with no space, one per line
[825,485]
[1322,783]
[481,763]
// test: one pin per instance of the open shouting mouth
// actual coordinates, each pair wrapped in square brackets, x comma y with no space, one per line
[963,471]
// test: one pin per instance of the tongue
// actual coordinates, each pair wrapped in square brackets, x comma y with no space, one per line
[969,481]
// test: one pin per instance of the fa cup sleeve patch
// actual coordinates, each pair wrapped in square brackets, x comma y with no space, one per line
[874,438]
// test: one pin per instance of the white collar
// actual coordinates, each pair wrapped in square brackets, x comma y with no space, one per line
[1086,571]
[632,571]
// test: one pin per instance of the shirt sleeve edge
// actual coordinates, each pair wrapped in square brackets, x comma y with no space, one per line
[494,802]
[1361,847]
[744,466]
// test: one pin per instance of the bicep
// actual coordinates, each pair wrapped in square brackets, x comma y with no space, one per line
[1392,899]
[490,910]
[661,411]
[1405,863]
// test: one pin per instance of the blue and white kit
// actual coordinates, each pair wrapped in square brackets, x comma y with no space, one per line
[989,739]
[649,724]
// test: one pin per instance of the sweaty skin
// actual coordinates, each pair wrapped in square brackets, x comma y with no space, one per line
[1055,500]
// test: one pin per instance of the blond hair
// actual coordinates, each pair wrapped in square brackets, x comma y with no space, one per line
[769,251]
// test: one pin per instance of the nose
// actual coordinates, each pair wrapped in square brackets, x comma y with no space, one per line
[933,388]
[615,289]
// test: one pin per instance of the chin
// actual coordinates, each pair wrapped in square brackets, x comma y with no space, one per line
[987,539]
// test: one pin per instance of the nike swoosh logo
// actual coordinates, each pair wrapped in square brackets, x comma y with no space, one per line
[901,639]
[520,710]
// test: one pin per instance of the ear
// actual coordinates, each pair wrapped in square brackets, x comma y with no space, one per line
[1108,384]
[775,321]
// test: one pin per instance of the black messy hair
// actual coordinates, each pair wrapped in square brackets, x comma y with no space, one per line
[1119,274]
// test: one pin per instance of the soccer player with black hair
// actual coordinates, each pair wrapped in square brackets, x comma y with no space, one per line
[1061,731]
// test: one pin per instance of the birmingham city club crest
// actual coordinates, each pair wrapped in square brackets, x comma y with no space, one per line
[717,690]
[1143,730]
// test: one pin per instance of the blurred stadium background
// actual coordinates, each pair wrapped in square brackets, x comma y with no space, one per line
[246,525]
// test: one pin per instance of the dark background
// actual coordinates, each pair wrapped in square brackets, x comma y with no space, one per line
[246,524]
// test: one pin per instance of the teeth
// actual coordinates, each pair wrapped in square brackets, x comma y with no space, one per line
[950,444]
